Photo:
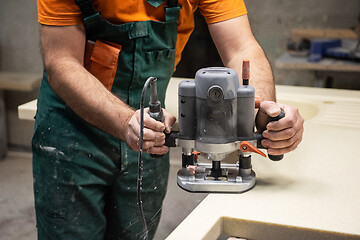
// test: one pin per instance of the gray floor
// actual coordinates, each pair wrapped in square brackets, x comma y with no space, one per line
[17,217]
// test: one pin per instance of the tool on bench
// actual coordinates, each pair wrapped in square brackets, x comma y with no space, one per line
[216,118]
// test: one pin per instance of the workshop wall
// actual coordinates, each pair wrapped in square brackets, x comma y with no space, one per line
[19,51]
[271,21]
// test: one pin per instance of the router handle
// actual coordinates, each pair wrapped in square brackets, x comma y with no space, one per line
[272,119]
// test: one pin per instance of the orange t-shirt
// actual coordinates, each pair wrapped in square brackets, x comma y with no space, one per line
[66,12]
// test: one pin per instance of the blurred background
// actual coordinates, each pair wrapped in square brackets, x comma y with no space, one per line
[272,22]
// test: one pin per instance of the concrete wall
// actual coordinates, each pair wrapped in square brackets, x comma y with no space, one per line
[19,51]
[271,21]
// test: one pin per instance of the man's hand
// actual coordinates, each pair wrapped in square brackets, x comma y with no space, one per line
[154,137]
[281,136]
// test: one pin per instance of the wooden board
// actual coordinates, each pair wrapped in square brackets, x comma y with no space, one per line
[286,61]
[19,81]
[299,33]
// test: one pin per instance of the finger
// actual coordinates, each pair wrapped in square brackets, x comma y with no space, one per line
[169,121]
[150,144]
[288,149]
[152,124]
[270,108]
[157,150]
[159,143]
[292,119]
[148,122]
[145,143]
[150,135]
[282,143]
[280,135]
[267,108]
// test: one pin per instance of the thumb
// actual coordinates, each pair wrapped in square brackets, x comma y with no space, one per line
[271,109]
[267,108]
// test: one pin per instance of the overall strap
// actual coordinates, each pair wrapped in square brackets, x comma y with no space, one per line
[172,10]
[156,3]
[172,3]
[91,18]
[86,7]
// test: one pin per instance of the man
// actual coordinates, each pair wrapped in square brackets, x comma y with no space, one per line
[97,56]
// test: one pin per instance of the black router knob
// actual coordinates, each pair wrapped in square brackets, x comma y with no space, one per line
[272,119]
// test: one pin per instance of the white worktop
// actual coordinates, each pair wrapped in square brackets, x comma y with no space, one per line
[315,187]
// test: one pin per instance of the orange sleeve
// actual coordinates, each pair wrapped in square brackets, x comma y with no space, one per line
[58,12]
[216,11]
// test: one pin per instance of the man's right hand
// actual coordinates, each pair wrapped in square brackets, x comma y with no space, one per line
[154,137]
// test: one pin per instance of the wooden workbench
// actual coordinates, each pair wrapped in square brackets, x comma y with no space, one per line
[288,62]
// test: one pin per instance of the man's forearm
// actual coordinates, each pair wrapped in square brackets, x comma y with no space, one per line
[87,97]
[235,42]
[261,77]
[63,54]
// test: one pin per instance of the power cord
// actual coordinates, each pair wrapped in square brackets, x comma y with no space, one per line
[140,161]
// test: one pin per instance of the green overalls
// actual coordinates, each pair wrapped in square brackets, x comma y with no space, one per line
[85,179]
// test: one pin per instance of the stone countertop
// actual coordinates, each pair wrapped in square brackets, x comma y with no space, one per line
[317,186]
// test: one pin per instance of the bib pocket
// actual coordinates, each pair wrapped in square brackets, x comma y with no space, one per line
[101,59]
[160,55]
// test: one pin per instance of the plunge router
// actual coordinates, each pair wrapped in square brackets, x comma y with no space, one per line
[216,118]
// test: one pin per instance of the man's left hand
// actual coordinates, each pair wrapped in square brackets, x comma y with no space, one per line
[281,136]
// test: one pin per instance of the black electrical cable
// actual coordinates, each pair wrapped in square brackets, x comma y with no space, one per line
[140,161]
